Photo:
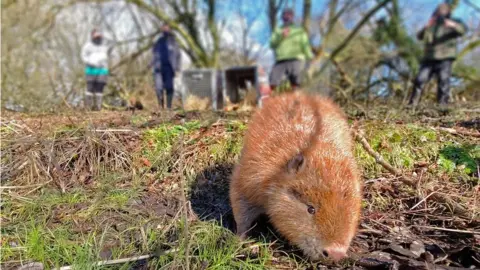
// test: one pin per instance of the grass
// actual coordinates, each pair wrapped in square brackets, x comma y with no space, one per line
[52,247]
[215,247]
[227,148]
[130,204]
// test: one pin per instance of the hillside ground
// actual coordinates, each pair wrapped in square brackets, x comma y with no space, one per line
[82,188]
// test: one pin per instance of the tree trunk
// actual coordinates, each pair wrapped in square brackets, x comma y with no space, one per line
[272,14]
[307,13]
[212,25]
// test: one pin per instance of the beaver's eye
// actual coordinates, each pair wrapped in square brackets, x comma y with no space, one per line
[311,209]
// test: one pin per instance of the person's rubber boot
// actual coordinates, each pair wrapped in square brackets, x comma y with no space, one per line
[169,101]
[161,103]
[98,102]
[444,108]
[410,107]
[88,102]
[414,99]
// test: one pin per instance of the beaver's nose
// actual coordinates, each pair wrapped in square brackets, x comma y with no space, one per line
[335,253]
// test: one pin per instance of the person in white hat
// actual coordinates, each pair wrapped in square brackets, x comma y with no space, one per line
[95,56]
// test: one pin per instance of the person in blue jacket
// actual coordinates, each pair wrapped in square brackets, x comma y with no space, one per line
[166,65]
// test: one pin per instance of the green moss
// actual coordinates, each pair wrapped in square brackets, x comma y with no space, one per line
[236,126]
[138,119]
[401,146]
[462,157]
[404,145]
[166,135]
[158,143]
[382,202]
[227,149]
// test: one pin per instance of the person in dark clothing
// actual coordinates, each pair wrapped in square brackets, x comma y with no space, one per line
[166,65]
[440,38]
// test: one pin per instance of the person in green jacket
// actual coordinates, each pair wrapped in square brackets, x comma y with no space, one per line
[292,48]
[440,39]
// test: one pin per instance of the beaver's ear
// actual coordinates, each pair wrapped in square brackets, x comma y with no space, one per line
[296,164]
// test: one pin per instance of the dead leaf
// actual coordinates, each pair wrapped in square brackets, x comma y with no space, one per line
[146,162]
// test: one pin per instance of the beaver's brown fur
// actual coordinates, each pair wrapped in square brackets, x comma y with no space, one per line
[297,166]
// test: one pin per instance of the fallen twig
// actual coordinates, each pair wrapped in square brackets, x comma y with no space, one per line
[446,229]
[379,159]
[110,262]
[26,186]
[114,130]
[408,263]
[458,132]
[123,260]
[424,199]
[184,206]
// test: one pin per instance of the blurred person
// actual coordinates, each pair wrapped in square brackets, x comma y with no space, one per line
[95,56]
[440,50]
[166,65]
[292,48]
[265,89]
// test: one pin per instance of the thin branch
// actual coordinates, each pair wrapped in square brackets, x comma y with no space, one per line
[379,159]
[133,56]
[193,45]
[472,5]
[123,260]
[446,229]
[353,33]
[459,132]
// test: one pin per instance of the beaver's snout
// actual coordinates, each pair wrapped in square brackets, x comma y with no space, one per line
[335,253]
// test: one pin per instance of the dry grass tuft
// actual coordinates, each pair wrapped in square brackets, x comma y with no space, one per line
[66,159]
[193,103]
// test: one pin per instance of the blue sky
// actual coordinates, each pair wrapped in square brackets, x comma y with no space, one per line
[415,13]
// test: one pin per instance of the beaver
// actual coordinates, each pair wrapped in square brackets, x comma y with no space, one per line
[297,166]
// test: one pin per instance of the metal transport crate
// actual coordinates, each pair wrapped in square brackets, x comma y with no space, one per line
[239,79]
[204,83]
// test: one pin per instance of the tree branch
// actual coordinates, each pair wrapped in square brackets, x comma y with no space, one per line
[192,44]
[353,33]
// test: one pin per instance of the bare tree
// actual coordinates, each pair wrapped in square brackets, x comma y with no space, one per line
[307,14]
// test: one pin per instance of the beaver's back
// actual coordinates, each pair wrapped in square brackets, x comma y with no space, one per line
[287,125]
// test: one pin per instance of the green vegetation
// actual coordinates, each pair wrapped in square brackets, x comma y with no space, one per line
[411,145]
[214,247]
[464,158]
